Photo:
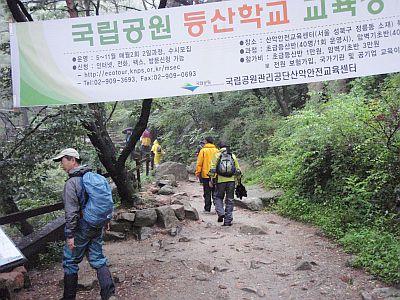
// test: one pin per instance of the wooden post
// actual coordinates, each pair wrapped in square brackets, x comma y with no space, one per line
[137,161]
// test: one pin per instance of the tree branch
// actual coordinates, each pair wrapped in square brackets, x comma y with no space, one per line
[112,112]
[137,131]
[37,115]
[24,10]
[16,12]
[163,4]
[6,119]
[20,142]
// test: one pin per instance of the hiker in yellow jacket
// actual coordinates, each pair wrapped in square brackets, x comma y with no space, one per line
[158,152]
[203,168]
[224,171]
[145,144]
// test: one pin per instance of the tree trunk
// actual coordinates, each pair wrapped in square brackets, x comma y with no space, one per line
[282,100]
[16,11]
[105,148]
[73,12]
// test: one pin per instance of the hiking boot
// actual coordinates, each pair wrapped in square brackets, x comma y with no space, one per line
[227,224]
[107,287]
[221,218]
[70,286]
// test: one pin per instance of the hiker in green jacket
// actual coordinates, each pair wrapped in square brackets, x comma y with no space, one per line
[224,171]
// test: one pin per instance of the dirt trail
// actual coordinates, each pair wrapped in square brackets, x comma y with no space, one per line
[216,262]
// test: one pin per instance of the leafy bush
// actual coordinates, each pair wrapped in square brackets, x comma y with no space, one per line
[338,163]
[53,254]
[378,252]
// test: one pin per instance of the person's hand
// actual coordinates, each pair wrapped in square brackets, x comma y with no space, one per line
[70,243]
[210,184]
[107,226]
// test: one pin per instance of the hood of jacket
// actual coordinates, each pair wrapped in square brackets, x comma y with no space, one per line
[209,146]
[79,171]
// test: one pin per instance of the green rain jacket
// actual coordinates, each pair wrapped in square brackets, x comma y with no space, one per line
[213,171]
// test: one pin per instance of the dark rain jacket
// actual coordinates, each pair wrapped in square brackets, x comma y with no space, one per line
[71,195]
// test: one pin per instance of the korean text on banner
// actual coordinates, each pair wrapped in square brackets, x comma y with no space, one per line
[222,46]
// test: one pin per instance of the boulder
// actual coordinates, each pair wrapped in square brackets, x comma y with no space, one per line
[166,216]
[142,233]
[179,211]
[385,293]
[251,203]
[271,197]
[166,190]
[174,168]
[126,216]
[114,236]
[181,198]
[192,167]
[154,189]
[27,280]
[148,197]
[168,179]
[191,213]
[252,230]
[13,281]
[181,202]
[121,226]
[145,217]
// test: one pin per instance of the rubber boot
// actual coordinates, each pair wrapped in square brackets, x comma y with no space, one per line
[70,286]
[107,287]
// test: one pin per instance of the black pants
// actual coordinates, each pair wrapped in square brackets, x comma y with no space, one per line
[208,193]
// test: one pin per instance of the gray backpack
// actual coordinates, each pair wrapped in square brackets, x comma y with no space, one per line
[226,165]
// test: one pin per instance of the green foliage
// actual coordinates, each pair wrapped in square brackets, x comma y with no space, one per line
[244,119]
[336,149]
[26,169]
[377,251]
[338,162]
[52,255]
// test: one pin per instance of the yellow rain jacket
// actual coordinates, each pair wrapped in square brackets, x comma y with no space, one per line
[221,179]
[204,160]
[158,152]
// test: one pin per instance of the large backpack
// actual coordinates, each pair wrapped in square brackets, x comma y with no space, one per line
[226,165]
[97,206]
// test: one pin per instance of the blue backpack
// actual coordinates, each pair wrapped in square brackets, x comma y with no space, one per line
[98,206]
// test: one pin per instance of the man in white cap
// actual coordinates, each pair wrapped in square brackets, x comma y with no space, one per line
[81,237]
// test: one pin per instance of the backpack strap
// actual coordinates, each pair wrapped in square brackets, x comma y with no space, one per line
[83,197]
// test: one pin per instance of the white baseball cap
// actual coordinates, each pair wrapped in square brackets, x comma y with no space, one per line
[66,152]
